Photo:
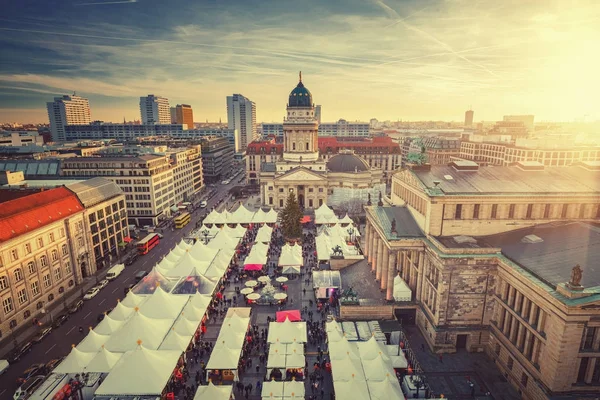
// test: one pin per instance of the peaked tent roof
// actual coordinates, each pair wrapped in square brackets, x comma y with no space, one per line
[139,327]
[371,349]
[184,326]
[287,332]
[377,369]
[388,389]
[260,216]
[347,369]
[121,312]
[264,234]
[213,217]
[202,252]
[133,300]
[162,305]
[272,389]
[140,372]
[223,358]
[271,217]
[92,342]
[175,341]
[75,362]
[291,255]
[213,392]
[155,278]
[342,349]
[293,389]
[346,220]
[103,361]
[108,325]
[353,389]
[241,215]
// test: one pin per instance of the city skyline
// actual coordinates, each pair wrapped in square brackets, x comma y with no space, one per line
[389,59]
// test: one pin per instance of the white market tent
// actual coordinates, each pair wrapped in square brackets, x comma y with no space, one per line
[271,216]
[93,342]
[75,362]
[237,232]
[325,215]
[353,389]
[346,369]
[287,332]
[377,369]
[291,255]
[371,349]
[388,389]
[133,300]
[161,305]
[258,254]
[228,347]
[241,216]
[212,392]
[121,312]
[108,325]
[283,390]
[103,361]
[285,356]
[175,341]
[212,231]
[139,327]
[214,217]
[264,234]
[402,291]
[140,372]
[346,220]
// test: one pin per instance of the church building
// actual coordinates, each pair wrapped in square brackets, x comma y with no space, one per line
[302,171]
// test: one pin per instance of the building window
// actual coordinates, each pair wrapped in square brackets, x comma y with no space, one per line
[458,211]
[3,282]
[597,216]
[596,374]
[18,275]
[51,237]
[44,261]
[280,190]
[320,190]
[14,255]
[587,340]
[65,251]
[270,188]
[27,314]
[7,305]
[565,210]
[80,242]
[494,211]
[320,202]
[35,288]
[582,370]
[524,379]
[511,211]
[22,296]
[294,146]
[50,297]
[27,248]
[529,211]
[40,243]
[54,255]
[62,232]
[547,211]
[270,201]
[497,349]
[31,267]
[307,142]
[67,268]
[280,203]
[47,281]
[510,363]
[476,211]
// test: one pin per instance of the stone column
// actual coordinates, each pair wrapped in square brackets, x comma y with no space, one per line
[371,245]
[384,269]
[374,256]
[380,247]
[390,277]
[367,237]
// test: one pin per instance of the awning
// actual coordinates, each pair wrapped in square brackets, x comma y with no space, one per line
[127,239]
[292,315]
[306,219]
[174,209]
[253,267]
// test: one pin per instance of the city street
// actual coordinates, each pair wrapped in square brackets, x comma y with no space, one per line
[58,343]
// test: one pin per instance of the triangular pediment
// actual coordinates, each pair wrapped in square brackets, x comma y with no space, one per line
[300,174]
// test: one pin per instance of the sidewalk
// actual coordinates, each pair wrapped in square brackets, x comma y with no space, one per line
[25,332]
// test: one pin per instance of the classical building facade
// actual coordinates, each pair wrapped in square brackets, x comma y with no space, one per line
[301,170]
[490,254]
[43,253]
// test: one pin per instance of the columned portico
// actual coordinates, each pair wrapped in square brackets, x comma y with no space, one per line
[384,269]
[380,247]
[389,296]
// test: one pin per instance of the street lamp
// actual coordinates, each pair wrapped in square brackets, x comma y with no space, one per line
[350,232]
[205,233]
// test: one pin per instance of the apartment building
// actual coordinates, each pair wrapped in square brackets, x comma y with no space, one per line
[341,128]
[44,253]
[501,260]
[184,115]
[187,172]
[258,153]
[99,130]
[241,117]
[217,158]
[194,134]
[148,182]
[67,110]
[18,139]
[155,110]
[105,219]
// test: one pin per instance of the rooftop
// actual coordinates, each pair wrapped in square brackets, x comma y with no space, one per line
[268,167]
[95,190]
[507,180]
[406,227]
[32,167]
[27,213]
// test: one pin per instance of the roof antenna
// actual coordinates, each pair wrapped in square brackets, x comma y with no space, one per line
[300,76]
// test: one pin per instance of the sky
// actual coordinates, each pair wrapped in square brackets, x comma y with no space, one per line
[361,59]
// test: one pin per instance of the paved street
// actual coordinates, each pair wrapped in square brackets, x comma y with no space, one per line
[58,343]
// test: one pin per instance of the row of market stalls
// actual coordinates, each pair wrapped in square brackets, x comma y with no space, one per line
[274,390]
[225,356]
[362,370]
[286,359]
[290,259]
[325,215]
[241,216]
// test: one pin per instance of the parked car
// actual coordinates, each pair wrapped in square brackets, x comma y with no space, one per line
[34,369]
[128,288]
[76,307]
[17,354]
[61,319]
[42,334]
[28,387]
[203,204]
[131,259]
[102,284]
[91,293]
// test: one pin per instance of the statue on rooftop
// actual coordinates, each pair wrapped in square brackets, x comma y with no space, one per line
[380,202]
[576,275]
[369,199]
[394,225]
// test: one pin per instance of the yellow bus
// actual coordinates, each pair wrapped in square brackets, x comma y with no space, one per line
[182,220]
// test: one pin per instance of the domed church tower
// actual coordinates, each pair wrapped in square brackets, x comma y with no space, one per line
[300,127]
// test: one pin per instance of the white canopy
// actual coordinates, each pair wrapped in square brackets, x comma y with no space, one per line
[287,332]
[276,359]
[175,341]
[346,220]
[291,255]
[75,362]
[347,369]
[223,240]
[342,349]
[325,215]
[228,347]
[184,326]
[355,388]
[294,389]
[140,372]
[258,254]
[212,392]
[212,231]
[259,217]
[202,252]
[214,217]
[92,342]
[237,232]
[272,389]
[103,361]
[388,389]
[402,291]
[139,327]
[120,312]
[264,234]
[377,369]
[186,266]
[241,216]
[271,216]
[223,357]
[133,300]
[372,349]
[108,325]
[163,305]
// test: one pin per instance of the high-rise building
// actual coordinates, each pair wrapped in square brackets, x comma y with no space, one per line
[318,113]
[173,115]
[67,110]
[184,115]
[241,116]
[155,110]
[469,118]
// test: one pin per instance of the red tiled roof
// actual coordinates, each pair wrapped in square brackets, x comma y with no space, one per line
[31,212]
[349,143]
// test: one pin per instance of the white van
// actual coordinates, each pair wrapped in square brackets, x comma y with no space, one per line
[115,271]
[203,204]
[3,366]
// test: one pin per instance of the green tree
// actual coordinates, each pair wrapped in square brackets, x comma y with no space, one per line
[290,218]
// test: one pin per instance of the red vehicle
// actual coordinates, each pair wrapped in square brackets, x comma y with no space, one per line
[148,243]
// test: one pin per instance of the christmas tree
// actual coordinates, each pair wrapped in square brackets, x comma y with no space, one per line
[290,218]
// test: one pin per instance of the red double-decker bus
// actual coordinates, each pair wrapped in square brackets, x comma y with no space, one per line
[148,243]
